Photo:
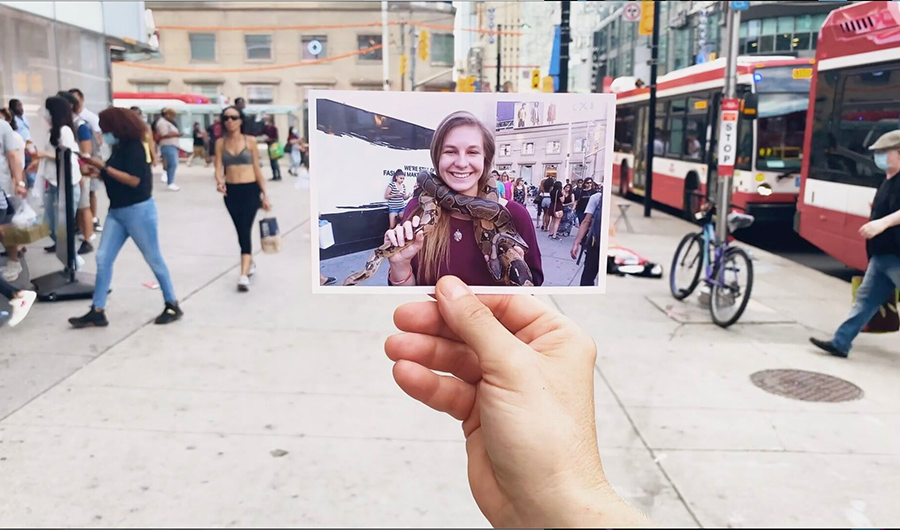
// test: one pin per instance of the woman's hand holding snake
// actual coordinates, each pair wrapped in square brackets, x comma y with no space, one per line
[401,235]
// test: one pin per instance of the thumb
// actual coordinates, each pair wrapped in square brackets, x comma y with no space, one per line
[496,348]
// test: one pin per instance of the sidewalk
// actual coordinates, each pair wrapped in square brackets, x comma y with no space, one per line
[278,408]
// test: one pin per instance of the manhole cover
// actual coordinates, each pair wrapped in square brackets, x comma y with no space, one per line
[806,386]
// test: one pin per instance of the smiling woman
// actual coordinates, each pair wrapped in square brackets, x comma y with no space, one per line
[462,150]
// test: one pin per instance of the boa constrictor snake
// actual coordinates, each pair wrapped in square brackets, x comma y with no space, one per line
[492,222]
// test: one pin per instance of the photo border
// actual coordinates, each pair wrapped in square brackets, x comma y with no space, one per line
[315,262]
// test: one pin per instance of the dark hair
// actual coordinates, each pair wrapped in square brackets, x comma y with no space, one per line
[239,100]
[135,107]
[71,99]
[60,116]
[122,123]
[8,116]
[558,186]
[77,92]
[240,113]
[13,103]
[399,172]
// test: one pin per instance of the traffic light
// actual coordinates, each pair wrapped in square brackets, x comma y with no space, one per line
[423,44]
[535,79]
[403,64]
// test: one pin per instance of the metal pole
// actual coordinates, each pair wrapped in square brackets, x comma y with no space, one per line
[385,47]
[403,54]
[732,36]
[499,29]
[413,35]
[564,47]
[651,117]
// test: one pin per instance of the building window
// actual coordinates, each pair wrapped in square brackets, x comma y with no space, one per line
[203,46]
[505,149]
[151,87]
[528,148]
[442,49]
[314,47]
[526,173]
[553,147]
[580,145]
[260,94]
[208,90]
[259,47]
[367,41]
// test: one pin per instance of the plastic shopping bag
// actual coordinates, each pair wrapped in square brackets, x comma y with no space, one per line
[25,216]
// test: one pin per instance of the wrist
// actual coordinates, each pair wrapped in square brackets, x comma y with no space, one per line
[400,273]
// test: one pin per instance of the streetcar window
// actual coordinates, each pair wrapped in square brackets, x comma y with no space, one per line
[624,129]
[676,136]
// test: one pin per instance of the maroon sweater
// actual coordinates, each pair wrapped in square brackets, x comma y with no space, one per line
[465,258]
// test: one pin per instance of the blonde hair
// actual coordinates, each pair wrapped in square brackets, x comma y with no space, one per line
[436,250]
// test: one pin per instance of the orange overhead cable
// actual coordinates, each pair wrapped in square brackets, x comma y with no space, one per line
[333,26]
[162,68]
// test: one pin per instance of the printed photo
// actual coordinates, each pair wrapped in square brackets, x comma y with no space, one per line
[509,192]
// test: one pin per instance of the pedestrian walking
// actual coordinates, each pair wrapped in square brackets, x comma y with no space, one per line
[520,191]
[199,138]
[132,214]
[168,145]
[240,180]
[94,121]
[213,133]
[293,148]
[588,237]
[59,116]
[581,203]
[882,234]
[271,134]
[12,186]
[543,211]
[568,217]
[556,209]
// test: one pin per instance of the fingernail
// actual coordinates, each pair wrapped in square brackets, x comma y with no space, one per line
[453,288]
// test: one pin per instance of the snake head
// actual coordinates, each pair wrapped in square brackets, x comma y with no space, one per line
[519,273]
[495,268]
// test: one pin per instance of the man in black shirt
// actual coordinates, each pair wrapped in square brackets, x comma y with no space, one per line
[882,234]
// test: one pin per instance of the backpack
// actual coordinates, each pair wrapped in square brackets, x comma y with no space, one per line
[95,145]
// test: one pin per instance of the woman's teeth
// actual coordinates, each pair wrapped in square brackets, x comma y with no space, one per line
[461,175]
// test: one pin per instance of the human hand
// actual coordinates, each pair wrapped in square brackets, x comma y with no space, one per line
[523,389]
[400,236]
[92,161]
[22,189]
[872,228]
[220,187]
[574,251]
[266,205]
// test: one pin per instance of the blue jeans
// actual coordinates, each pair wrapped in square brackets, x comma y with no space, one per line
[170,154]
[882,277]
[51,207]
[140,222]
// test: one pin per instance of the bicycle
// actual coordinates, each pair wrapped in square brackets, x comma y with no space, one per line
[721,263]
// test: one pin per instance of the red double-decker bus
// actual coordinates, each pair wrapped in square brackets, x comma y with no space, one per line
[855,99]
[767,168]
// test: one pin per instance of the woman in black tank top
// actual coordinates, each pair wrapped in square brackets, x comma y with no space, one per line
[240,180]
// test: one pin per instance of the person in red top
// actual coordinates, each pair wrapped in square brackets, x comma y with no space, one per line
[271,134]
[462,151]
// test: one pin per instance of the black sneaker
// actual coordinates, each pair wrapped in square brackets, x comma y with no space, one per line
[93,318]
[829,347]
[51,249]
[85,248]
[170,314]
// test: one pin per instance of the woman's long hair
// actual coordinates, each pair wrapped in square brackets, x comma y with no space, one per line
[60,116]
[437,245]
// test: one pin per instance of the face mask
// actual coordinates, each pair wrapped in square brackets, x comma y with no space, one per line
[881,161]
[47,117]
[109,139]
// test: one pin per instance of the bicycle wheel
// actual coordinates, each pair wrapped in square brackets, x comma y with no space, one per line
[731,288]
[685,272]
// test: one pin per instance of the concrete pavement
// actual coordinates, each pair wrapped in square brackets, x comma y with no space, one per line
[278,408]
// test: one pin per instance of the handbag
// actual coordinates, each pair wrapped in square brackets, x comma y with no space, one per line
[886,320]
[269,235]
[275,151]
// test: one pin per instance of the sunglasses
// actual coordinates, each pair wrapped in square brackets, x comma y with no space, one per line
[231,118]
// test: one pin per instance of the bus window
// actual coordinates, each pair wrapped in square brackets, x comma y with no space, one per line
[695,130]
[625,129]
[780,125]
[745,145]
[870,108]
[823,136]
[676,136]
